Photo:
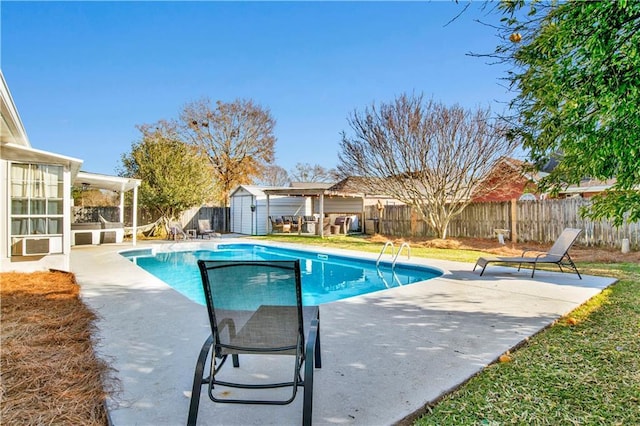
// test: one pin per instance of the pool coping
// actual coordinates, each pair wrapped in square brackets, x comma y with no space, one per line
[385,354]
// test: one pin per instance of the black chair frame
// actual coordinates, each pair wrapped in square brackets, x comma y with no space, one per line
[558,254]
[308,355]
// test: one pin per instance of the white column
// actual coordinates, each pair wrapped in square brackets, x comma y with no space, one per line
[121,206]
[321,220]
[362,225]
[268,222]
[134,216]
[66,221]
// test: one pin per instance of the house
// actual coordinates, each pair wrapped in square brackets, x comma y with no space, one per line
[587,188]
[509,179]
[35,185]
[358,185]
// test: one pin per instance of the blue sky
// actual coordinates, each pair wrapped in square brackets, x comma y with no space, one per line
[83,74]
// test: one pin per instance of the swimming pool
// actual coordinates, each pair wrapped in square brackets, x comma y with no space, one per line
[325,277]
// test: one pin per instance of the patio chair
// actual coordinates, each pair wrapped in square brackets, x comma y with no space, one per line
[176,232]
[293,222]
[204,229]
[558,254]
[277,225]
[255,309]
[343,223]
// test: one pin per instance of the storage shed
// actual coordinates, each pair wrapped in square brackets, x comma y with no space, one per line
[249,208]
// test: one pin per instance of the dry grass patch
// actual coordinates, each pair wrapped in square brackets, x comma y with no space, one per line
[50,374]
[579,253]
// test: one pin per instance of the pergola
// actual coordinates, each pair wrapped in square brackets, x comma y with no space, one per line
[115,184]
[319,193]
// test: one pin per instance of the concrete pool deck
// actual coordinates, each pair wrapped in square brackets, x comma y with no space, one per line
[385,355]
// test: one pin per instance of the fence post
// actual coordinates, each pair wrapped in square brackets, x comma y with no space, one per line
[514,220]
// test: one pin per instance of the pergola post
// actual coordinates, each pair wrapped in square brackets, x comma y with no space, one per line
[321,218]
[268,216]
[134,216]
[362,225]
[121,211]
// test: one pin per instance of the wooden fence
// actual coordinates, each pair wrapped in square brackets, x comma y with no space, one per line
[539,221]
[218,216]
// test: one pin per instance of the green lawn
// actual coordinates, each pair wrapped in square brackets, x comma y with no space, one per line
[587,373]
[582,374]
[363,244]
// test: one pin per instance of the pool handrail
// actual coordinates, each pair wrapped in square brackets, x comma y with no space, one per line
[387,244]
[395,259]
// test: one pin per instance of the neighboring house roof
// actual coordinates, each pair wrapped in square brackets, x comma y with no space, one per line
[551,164]
[350,184]
[589,185]
[358,185]
[586,185]
[509,179]
[524,168]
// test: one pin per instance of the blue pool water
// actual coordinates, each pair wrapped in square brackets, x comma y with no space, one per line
[325,278]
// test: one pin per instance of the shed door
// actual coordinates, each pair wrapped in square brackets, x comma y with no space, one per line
[242,215]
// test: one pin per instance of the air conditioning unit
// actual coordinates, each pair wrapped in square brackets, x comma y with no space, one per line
[34,246]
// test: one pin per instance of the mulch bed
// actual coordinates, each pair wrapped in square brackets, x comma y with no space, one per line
[49,372]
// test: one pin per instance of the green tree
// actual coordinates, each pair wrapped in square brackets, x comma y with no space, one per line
[94,197]
[577,77]
[175,177]
[236,137]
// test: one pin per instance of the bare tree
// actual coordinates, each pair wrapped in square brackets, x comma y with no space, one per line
[316,173]
[273,176]
[425,154]
[236,137]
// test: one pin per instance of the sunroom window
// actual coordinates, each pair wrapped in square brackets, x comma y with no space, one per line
[36,200]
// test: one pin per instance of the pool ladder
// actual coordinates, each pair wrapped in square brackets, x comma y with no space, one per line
[387,244]
[395,258]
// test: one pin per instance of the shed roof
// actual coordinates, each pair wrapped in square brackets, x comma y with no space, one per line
[255,190]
